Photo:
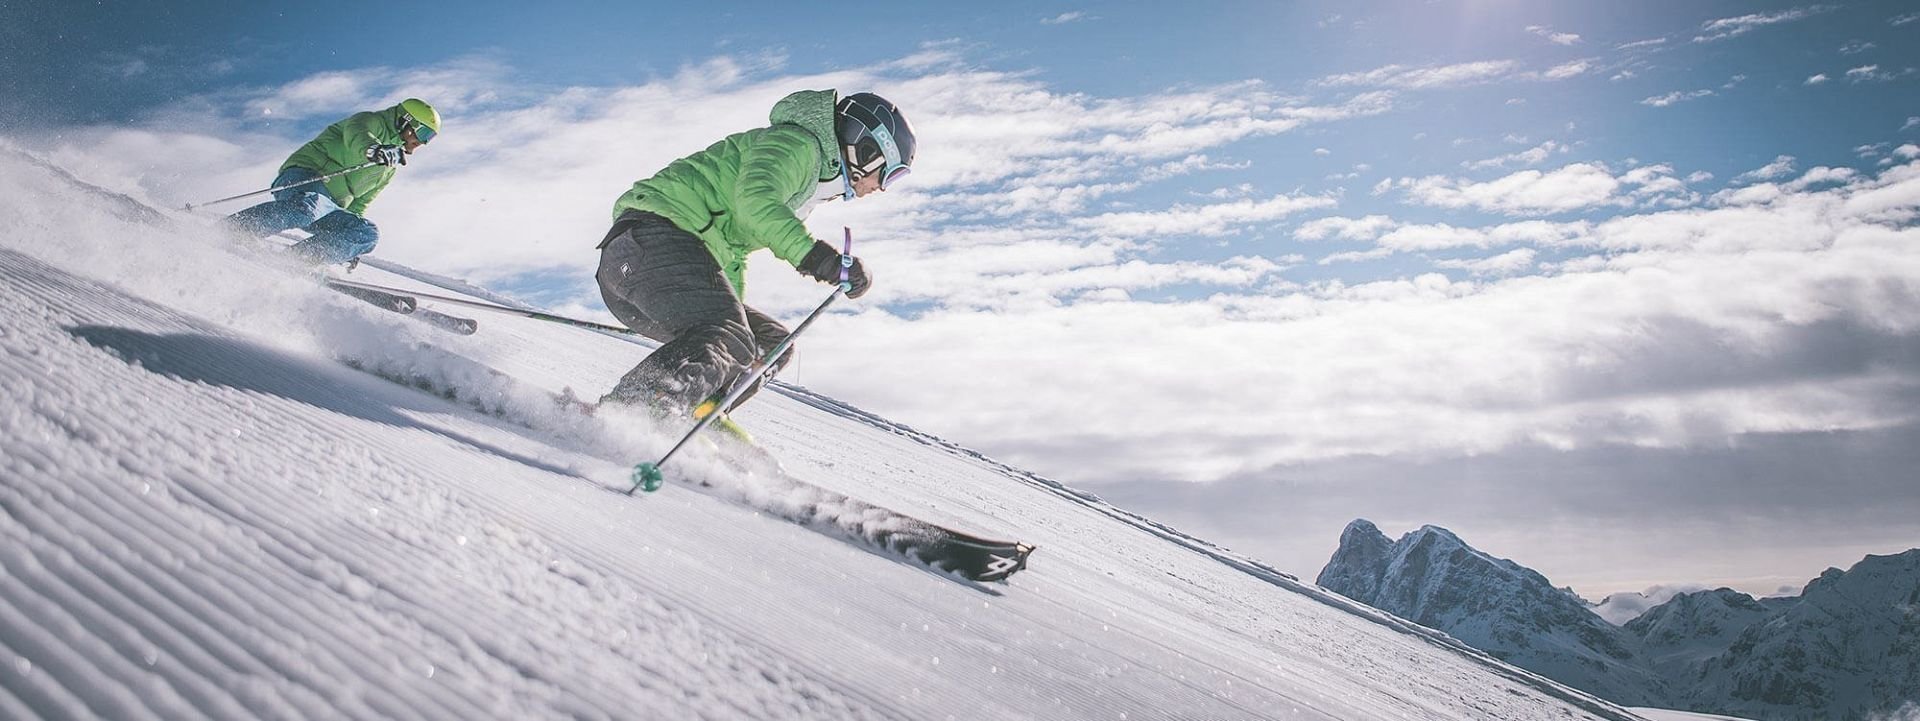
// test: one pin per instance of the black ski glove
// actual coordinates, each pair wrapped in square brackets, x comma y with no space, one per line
[387,154]
[823,264]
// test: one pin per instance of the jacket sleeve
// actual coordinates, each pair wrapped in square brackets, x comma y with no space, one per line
[781,165]
[357,134]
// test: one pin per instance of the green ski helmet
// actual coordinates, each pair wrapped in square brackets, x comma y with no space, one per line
[417,114]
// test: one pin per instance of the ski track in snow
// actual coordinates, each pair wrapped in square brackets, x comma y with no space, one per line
[207,515]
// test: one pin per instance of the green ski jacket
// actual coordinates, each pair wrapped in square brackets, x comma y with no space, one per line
[344,145]
[741,194]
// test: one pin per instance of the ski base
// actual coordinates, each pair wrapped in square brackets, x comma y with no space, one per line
[408,306]
[930,544]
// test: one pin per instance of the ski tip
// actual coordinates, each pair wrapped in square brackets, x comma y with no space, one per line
[1003,565]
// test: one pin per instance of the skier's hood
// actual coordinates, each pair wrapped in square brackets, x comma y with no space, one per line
[393,113]
[813,110]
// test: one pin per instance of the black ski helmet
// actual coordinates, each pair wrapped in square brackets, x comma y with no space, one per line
[874,137]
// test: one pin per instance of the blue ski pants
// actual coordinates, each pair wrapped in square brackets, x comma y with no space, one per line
[338,235]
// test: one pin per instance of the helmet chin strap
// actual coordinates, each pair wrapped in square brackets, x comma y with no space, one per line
[846,174]
[847,168]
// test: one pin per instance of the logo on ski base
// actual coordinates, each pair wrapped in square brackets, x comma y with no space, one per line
[1001,565]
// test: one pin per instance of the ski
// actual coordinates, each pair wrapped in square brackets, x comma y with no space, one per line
[380,299]
[972,557]
[408,306]
[454,324]
[943,549]
[756,479]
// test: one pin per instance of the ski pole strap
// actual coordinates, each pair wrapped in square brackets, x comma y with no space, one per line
[846,260]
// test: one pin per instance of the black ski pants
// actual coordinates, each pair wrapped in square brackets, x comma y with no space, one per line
[662,282]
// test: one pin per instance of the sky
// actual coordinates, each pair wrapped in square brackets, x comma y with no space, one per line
[1586,283]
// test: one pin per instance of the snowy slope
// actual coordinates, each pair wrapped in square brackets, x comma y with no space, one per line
[207,515]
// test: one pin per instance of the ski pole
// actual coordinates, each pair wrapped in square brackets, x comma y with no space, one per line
[647,476]
[481,305]
[329,176]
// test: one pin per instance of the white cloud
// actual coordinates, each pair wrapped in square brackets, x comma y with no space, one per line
[1366,228]
[1818,79]
[1509,263]
[1677,96]
[1323,152]
[1195,163]
[1855,47]
[1355,256]
[1429,77]
[1642,44]
[1554,37]
[1568,70]
[1724,28]
[1531,156]
[1577,186]
[1912,122]
[1203,220]
[1438,236]
[1419,238]
[1899,20]
[1237,191]
[1780,167]
[1868,73]
[1064,18]
[1573,187]
[1821,176]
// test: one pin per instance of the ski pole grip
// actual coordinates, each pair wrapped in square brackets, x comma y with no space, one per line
[846,260]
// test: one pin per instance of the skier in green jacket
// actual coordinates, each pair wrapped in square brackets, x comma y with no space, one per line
[334,209]
[673,266]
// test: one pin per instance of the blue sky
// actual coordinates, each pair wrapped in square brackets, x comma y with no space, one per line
[1254,245]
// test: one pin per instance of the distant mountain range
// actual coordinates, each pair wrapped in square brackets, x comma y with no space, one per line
[1848,647]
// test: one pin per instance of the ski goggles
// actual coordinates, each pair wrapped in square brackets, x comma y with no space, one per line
[895,174]
[423,133]
[873,161]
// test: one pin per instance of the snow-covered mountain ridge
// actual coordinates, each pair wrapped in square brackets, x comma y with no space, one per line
[1843,649]
[1433,578]
[208,515]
